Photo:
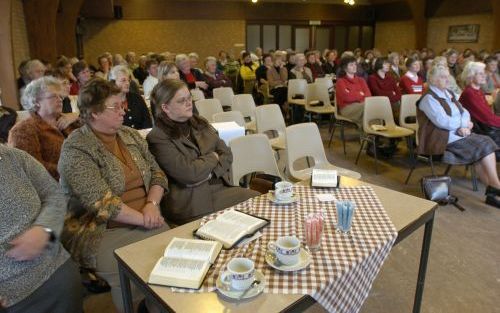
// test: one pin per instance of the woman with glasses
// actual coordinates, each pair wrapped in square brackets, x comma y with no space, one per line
[136,112]
[114,184]
[195,159]
[43,133]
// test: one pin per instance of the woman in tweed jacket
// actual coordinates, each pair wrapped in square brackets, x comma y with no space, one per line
[113,182]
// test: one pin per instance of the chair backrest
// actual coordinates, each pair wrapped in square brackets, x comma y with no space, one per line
[245,104]
[269,117]
[408,109]
[208,107]
[197,94]
[325,80]
[317,92]
[296,87]
[378,108]
[252,153]
[229,116]
[304,140]
[225,95]
[22,115]
[74,103]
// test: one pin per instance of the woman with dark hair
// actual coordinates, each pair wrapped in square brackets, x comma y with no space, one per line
[410,82]
[382,84]
[330,66]
[277,77]
[195,159]
[351,91]
[114,184]
[247,73]
[82,74]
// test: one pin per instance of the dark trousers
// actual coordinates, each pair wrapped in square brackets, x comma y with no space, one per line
[61,293]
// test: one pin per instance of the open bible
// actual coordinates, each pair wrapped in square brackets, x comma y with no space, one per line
[230,227]
[185,263]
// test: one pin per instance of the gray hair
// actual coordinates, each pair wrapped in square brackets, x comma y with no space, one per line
[194,55]
[35,89]
[118,69]
[179,58]
[440,60]
[392,56]
[32,65]
[470,70]
[436,71]
[210,59]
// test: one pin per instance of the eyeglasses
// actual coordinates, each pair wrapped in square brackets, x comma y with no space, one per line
[187,100]
[52,97]
[116,108]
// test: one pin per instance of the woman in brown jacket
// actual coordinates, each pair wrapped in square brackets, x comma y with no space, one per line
[195,159]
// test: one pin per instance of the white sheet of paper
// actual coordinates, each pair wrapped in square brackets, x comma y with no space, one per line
[229,130]
[325,197]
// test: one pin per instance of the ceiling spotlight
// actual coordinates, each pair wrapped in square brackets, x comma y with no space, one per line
[254,1]
[349,2]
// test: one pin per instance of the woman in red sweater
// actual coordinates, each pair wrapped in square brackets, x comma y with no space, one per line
[473,99]
[351,91]
[383,84]
[410,82]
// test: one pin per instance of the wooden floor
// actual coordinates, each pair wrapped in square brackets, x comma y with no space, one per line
[463,273]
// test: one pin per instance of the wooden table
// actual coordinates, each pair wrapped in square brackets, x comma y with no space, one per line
[135,262]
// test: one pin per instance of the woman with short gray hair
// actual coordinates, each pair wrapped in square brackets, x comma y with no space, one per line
[43,133]
[192,77]
[445,129]
[214,77]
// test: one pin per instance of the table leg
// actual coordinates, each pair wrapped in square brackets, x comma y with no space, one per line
[126,291]
[424,257]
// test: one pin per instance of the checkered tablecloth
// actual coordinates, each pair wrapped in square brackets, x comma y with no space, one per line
[341,273]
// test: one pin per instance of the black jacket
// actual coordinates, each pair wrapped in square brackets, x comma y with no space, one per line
[137,115]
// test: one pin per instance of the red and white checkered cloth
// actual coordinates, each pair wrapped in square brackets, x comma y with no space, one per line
[341,273]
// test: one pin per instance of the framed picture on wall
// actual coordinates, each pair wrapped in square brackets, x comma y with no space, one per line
[463,33]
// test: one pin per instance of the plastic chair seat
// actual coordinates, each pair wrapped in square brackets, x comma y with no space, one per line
[298,102]
[278,143]
[321,109]
[251,126]
[392,132]
[306,173]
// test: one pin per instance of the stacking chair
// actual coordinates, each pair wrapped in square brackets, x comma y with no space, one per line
[327,81]
[379,109]
[245,104]
[225,96]
[252,154]
[229,116]
[268,117]
[296,87]
[197,94]
[304,141]
[315,93]
[265,91]
[408,109]
[208,107]
[340,121]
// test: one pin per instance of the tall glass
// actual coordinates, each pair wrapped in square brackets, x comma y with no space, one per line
[313,227]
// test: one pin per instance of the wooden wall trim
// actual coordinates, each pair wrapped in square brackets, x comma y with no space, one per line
[7,74]
[179,10]
[66,23]
[41,26]
[496,24]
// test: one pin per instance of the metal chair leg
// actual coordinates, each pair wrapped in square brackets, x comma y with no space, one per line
[447,169]
[432,165]
[375,154]
[342,136]
[473,177]
[409,174]
[331,136]
[360,149]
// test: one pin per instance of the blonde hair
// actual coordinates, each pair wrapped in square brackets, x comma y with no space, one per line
[470,70]
[435,71]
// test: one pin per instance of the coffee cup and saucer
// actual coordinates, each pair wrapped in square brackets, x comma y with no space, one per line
[282,193]
[286,254]
[240,280]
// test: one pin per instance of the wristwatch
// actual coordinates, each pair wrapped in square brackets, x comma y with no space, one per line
[52,235]
[156,204]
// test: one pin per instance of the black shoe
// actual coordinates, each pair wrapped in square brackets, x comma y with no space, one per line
[94,283]
[142,307]
[493,201]
[490,190]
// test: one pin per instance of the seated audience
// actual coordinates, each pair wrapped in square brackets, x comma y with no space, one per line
[452,82]
[473,99]
[395,70]
[410,82]
[247,72]
[37,273]
[192,77]
[277,78]
[330,66]
[105,64]
[150,81]
[64,69]
[140,72]
[300,71]
[195,159]
[136,112]
[130,58]
[222,61]
[8,118]
[351,91]
[452,58]
[290,61]
[261,72]
[23,79]
[445,129]
[82,74]
[34,70]
[167,70]
[43,133]
[114,184]
[65,93]
[193,61]
[313,65]
[214,77]
[492,85]
[426,64]
[382,84]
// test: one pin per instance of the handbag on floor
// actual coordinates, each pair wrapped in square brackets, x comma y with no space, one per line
[437,188]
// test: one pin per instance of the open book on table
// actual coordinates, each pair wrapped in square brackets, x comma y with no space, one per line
[231,227]
[324,178]
[185,263]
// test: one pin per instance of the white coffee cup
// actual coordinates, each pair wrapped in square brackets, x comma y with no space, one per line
[283,190]
[240,273]
[286,249]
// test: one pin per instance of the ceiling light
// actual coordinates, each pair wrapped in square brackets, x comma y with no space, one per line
[349,2]
[254,1]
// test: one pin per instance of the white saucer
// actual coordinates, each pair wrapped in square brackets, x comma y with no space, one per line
[272,198]
[235,294]
[304,261]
